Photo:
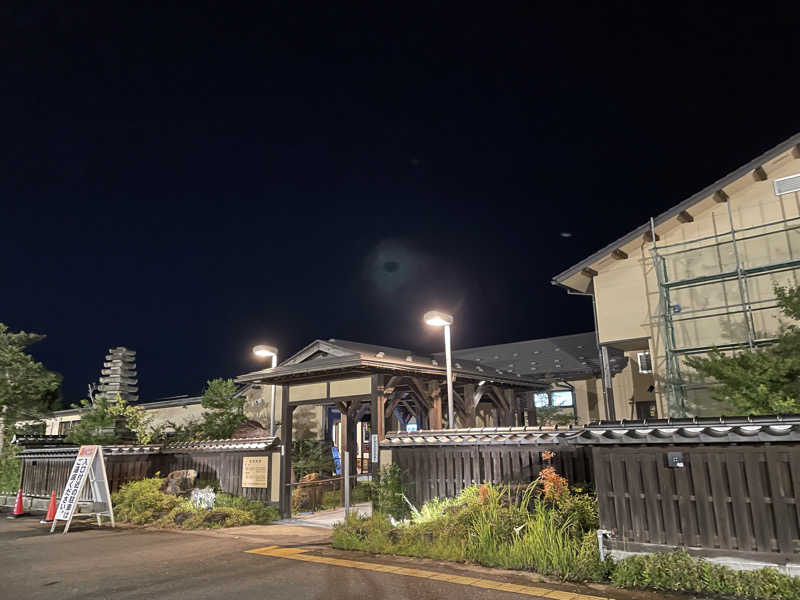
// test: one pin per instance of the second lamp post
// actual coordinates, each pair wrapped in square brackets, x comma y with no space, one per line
[440,319]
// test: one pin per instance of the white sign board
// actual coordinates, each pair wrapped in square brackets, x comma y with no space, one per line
[88,465]
[374,440]
[254,471]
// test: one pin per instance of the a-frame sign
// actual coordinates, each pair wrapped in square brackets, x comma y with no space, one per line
[88,465]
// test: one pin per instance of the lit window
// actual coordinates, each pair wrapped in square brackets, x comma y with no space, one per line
[645,364]
[541,400]
[561,398]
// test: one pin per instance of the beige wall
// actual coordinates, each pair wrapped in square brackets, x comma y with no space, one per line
[626,291]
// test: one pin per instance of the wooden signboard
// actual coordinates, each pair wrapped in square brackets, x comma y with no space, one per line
[90,465]
[254,471]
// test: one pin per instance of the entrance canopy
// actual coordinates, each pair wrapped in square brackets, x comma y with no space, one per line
[347,374]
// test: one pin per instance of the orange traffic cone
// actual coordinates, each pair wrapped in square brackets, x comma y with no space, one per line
[51,510]
[18,510]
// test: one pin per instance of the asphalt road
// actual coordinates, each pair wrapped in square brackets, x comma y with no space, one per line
[137,563]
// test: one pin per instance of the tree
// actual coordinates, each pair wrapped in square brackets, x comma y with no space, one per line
[224,409]
[763,380]
[27,389]
[107,420]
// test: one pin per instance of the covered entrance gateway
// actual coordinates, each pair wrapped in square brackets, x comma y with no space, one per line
[395,389]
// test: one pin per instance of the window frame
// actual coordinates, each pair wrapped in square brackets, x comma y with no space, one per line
[639,361]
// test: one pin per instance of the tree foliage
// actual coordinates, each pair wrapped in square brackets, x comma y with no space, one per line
[27,389]
[763,380]
[224,410]
[106,421]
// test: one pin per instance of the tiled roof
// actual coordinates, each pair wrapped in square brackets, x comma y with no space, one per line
[484,435]
[39,441]
[721,430]
[564,357]
[260,443]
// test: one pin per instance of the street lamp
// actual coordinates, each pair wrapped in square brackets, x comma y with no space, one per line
[264,351]
[440,319]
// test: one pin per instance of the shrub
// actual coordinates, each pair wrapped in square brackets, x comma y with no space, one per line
[677,571]
[489,525]
[9,468]
[141,502]
[388,491]
[260,513]
[312,456]
[360,493]
[225,516]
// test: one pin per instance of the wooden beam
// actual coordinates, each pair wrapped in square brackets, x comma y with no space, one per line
[435,410]
[759,174]
[619,254]
[469,405]
[685,217]
[648,236]
[720,196]
[589,272]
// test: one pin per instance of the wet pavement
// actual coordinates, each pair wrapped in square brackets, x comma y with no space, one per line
[280,562]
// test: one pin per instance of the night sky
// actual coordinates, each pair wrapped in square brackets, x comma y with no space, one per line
[189,183]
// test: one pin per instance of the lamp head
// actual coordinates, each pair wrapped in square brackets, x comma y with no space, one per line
[264,351]
[437,318]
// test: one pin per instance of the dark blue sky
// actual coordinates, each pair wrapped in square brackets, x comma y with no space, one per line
[190,182]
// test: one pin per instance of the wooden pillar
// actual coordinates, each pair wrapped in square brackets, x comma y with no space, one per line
[377,420]
[531,408]
[349,438]
[435,411]
[469,405]
[285,493]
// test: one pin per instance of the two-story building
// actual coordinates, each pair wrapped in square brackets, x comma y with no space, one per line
[701,275]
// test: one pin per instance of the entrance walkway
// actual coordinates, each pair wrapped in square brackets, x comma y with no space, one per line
[327,518]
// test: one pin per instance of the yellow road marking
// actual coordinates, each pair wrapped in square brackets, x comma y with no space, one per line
[529,590]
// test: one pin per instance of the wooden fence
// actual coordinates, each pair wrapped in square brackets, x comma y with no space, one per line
[444,470]
[47,469]
[731,500]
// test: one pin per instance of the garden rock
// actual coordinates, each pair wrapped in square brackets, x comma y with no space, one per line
[179,483]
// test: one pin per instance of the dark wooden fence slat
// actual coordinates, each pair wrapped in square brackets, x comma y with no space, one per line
[720,494]
[705,515]
[778,493]
[762,524]
[742,529]
[650,467]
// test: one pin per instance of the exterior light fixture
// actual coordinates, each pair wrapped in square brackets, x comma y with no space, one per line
[264,351]
[436,318]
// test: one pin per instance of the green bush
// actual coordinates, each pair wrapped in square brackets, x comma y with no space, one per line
[496,526]
[679,572]
[360,493]
[9,469]
[260,513]
[143,503]
[387,493]
[491,526]
[225,516]
[312,456]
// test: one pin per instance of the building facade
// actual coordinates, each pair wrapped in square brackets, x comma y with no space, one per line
[699,276]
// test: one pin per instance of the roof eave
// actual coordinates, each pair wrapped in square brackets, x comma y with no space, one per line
[784,146]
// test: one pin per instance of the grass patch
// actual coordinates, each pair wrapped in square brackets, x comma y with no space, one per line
[143,503]
[491,526]
[550,530]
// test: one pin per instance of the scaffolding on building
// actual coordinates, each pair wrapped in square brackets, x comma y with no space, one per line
[718,292]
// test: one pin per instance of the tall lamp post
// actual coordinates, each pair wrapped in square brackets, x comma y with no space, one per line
[440,319]
[264,351]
